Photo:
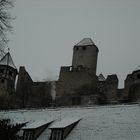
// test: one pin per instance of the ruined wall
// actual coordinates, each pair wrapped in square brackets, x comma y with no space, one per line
[127,83]
[23,88]
[132,87]
[32,94]
[70,81]
[134,93]
[112,88]
[7,86]
[40,95]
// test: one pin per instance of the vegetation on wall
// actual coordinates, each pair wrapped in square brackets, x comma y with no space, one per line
[9,131]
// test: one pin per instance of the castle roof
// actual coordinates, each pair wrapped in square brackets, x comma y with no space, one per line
[36,124]
[101,77]
[85,42]
[7,61]
[65,122]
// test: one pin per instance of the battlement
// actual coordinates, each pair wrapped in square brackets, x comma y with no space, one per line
[73,69]
[112,78]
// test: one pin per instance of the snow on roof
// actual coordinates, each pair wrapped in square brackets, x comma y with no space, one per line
[116,122]
[85,42]
[7,60]
[36,124]
[101,77]
[65,122]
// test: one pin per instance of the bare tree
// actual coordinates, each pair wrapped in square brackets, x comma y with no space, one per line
[5,22]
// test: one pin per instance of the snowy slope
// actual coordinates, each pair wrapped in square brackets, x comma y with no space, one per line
[120,122]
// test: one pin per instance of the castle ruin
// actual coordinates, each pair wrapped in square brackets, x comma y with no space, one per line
[78,84]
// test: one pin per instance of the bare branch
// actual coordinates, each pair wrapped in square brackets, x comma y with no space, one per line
[5,22]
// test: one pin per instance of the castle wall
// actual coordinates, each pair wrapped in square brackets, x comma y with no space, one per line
[32,94]
[132,87]
[127,83]
[39,95]
[70,81]
[112,88]
[134,93]
[77,84]
[7,79]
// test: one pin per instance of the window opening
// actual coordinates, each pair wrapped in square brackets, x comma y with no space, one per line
[1,71]
[138,76]
[56,135]
[28,135]
[2,80]
[10,73]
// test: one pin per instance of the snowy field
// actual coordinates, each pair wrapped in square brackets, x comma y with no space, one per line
[118,122]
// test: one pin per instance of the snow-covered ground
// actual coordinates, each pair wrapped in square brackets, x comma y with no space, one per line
[118,122]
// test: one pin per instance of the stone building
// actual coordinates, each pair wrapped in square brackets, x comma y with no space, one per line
[8,72]
[78,84]
[30,93]
[74,81]
[85,55]
[109,88]
[132,87]
[27,93]
[112,88]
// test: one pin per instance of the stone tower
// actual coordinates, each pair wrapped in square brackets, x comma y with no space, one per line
[74,81]
[85,54]
[8,72]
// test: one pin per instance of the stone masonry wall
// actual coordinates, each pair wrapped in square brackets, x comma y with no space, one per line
[70,80]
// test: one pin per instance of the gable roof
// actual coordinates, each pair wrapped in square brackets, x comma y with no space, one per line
[114,122]
[101,77]
[7,60]
[65,123]
[36,124]
[85,42]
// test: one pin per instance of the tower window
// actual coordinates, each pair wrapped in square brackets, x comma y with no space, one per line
[84,47]
[138,76]
[1,71]
[2,80]
[77,48]
[10,73]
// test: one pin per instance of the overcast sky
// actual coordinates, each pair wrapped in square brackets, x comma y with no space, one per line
[45,32]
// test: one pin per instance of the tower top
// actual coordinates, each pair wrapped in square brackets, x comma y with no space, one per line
[85,42]
[7,61]
[101,78]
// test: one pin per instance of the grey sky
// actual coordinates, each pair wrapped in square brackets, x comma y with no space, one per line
[45,32]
